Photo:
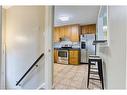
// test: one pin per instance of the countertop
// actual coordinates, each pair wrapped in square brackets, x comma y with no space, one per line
[67,48]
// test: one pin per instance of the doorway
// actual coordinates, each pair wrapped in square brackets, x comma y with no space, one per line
[71,28]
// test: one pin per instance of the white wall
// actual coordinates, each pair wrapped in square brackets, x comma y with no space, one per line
[0,42]
[114,56]
[24,44]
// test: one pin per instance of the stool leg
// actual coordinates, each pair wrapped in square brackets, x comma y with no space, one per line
[88,73]
[101,74]
[100,71]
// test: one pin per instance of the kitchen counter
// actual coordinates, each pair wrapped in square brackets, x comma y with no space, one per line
[67,48]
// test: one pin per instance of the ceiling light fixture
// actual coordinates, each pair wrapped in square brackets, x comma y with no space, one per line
[64,18]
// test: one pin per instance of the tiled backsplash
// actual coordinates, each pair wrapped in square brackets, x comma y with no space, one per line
[60,44]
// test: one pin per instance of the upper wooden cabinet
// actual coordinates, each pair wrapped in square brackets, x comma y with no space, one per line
[70,31]
[88,29]
[56,35]
[75,35]
[73,31]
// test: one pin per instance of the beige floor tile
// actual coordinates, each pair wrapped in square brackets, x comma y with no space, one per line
[66,81]
[73,77]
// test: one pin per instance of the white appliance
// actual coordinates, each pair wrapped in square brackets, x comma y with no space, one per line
[63,56]
[87,47]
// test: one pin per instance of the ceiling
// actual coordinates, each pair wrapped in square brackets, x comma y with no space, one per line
[77,15]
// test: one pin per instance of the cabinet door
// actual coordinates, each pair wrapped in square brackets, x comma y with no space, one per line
[69,29]
[56,34]
[74,57]
[88,29]
[93,29]
[61,32]
[75,33]
[83,31]
[55,56]
[67,32]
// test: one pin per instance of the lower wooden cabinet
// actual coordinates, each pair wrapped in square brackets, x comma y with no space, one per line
[74,57]
[55,56]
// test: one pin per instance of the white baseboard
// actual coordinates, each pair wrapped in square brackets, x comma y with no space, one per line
[42,86]
[53,86]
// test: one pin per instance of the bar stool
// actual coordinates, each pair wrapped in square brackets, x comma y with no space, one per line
[98,60]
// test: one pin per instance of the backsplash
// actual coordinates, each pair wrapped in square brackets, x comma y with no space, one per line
[69,43]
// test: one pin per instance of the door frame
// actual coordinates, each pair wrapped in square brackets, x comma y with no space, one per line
[2,48]
[49,20]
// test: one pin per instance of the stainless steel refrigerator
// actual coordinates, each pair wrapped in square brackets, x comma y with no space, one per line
[88,48]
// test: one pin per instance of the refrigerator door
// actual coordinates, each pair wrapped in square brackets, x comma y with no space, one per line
[83,38]
[83,50]
[83,56]
[90,48]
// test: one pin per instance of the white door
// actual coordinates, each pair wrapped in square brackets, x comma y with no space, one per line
[25,26]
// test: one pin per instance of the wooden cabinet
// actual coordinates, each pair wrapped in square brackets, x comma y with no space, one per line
[61,32]
[70,31]
[56,35]
[88,29]
[55,56]
[75,33]
[74,57]
[67,31]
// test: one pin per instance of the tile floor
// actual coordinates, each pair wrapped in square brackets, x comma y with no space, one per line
[73,77]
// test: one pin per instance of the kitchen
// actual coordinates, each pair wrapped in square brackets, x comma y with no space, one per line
[73,37]
[73,43]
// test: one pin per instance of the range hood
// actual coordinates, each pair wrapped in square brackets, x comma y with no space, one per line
[64,39]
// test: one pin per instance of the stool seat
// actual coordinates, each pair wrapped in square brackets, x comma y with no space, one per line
[94,57]
[98,60]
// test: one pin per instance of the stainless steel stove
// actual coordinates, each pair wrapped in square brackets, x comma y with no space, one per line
[63,56]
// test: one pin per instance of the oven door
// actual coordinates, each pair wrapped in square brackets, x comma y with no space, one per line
[63,53]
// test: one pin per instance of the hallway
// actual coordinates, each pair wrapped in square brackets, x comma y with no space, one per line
[73,77]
